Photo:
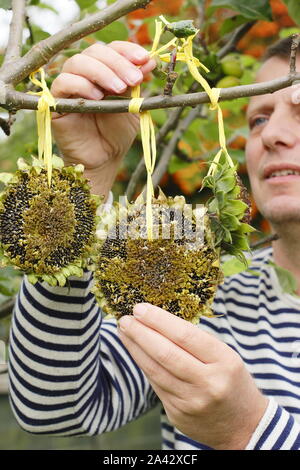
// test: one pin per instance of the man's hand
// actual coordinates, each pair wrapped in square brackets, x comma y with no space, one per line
[203,384]
[99,141]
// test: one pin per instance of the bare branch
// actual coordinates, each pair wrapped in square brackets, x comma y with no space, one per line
[43,51]
[16,100]
[14,45]
[294,50]
[6,124]
[230,46]
[263,241]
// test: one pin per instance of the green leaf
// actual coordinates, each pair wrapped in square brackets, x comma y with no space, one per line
[176,164]
[235,207]
[4,290]
[234,266]
[226,183]
[229,221]
[85,3]
[240,242]
[293,9]
[246,228]
[231,23]
[116,30]
[286,32]
[252,10]
[5,4]
[286,279]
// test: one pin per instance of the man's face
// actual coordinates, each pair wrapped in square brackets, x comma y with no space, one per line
[273,148]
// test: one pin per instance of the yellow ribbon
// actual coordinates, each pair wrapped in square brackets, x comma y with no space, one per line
[185,54]
[147,130]
[43,117]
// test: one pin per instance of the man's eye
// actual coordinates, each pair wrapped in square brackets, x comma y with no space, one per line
[257,121]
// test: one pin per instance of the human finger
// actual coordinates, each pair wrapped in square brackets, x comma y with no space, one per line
[295,96]
[68,84]
[123,67]
[204,346]
[160,349]
[97,72]
[133,52]
[156,373]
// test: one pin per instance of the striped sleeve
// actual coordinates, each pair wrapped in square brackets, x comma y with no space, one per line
[277,430]
[68,372]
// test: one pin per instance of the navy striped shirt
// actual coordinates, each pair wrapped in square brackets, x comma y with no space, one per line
[71,375]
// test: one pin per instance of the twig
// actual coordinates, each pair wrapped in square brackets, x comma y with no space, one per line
[17,100]
[263,241]
[294,50]
[171,74]
[31,37]
[14,45]
[43,51]
[5,126]
[230,46]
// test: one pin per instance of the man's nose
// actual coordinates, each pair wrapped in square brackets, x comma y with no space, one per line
[279,131]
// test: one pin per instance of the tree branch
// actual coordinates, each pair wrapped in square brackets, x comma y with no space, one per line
[294,50]
[43,51]
[230,46]
[14,100]
[14,45]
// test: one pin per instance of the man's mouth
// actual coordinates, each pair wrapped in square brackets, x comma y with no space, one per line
[278,173]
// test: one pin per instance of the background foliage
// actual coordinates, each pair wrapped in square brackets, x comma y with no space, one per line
[217,20]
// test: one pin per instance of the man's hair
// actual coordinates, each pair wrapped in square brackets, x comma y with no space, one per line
[281,49]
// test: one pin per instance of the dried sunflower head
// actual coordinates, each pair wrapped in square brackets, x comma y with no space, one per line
[177,270]
[47,232]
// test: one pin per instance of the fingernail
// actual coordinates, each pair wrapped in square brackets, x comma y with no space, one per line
[140,309]
[141,55]
[118,85]
[134,76]
[97,94]
[124,322]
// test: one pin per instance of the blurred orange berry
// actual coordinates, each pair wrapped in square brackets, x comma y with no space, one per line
[256,50]
[238,143]
[264,29]
[278,8]
[141,35]
[156,8]
[285,21]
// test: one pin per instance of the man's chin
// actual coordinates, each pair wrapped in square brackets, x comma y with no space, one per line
[282,211]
